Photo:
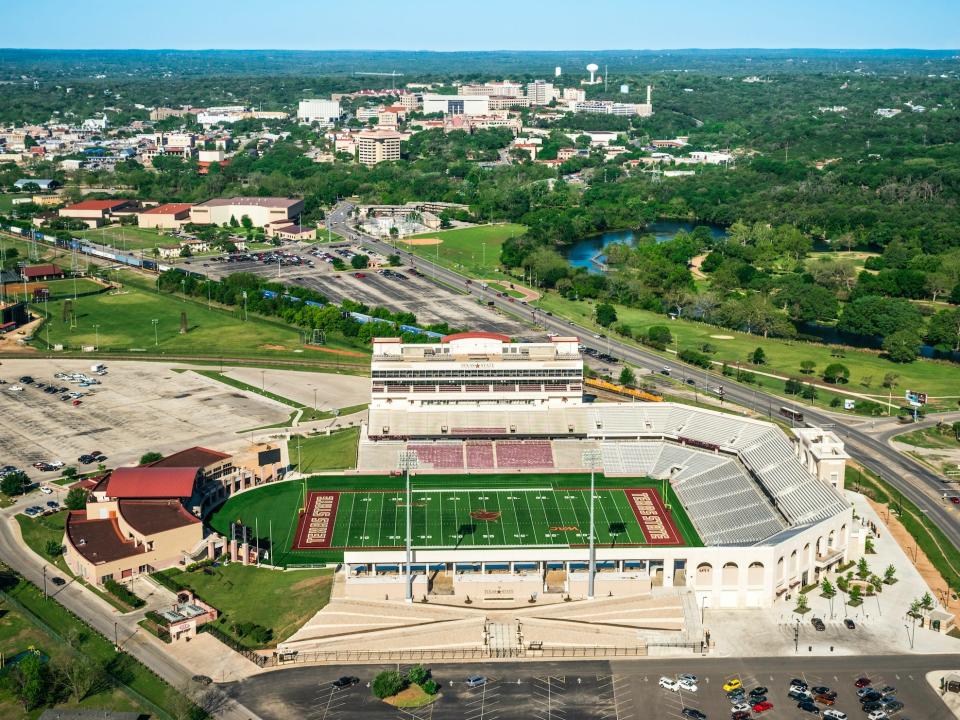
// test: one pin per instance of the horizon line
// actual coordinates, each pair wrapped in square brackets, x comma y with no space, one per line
[488,50]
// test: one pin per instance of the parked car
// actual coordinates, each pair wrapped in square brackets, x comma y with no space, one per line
[201,679]
[762,706]
[693,714]
[669,684]
[818,624]
[824,699]
[892,707]
[887,690]
[877,715]
[476,681]
[687,685]
[58,581]
[740,715]
[862,682]
[732,684]
[740,707]
[345,681]
[758,691]
[808,707]
[850,624]
[834,714]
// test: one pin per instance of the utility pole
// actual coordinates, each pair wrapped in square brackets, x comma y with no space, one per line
[592,458]
[409,461]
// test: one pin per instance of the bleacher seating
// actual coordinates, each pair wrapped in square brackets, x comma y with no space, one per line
[524,454]
[438,455]
[480,455]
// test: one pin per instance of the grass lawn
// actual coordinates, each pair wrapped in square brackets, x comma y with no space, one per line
[536,510]
[932,437]
[506,290]
[783,356]
[308,412]
[337,451]
[474,251]
[17,634]
[38,531]
[282,601]
[125,671]
[126,238]
[59,256]
[125,322]
[6,200]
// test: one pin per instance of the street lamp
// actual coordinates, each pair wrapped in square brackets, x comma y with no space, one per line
[409,460]
[156,338]
[592,458]
[96,345]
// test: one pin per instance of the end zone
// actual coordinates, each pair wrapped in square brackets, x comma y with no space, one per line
[655,520]
[315,527]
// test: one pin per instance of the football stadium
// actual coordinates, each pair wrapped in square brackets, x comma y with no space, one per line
[486,450]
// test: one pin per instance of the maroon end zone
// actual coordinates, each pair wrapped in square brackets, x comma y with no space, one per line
[655,521]
[315,529]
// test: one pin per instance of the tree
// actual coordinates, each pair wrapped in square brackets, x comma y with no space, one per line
[359,262]
[827,589]
[855,594]
[902,346]
[233,222]
[246,222]
[14,483]
[863,569]
[53,548]
[807,366]
[418,674]
[891,380]
[150,457]
[758,356]
[802,603]
[69,472]
[80,676]
[956,429]
[836,373]
[926,601]
[32,681]
[394,260]
[394,232]
[659,336]
[627,376]
[606,314]
[186,252]
[76,499]
[388,683]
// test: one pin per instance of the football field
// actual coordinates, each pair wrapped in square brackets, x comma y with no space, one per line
[322,520]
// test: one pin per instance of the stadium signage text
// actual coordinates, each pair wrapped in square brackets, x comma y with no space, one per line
[316,524]
[654,519]
[698,443]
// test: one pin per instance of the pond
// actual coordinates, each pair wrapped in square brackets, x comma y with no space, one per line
[584,253]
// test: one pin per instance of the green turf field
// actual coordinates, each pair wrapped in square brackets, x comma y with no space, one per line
[545,510]
[473,250]
[127,238]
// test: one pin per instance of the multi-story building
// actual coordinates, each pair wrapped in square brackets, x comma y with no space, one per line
[540,92]
[506,102]
[171,216]
[505,89]
[456,104]
[377,146]
[260,210]
[575,94]
[322,111]
[475,369]
[96,212]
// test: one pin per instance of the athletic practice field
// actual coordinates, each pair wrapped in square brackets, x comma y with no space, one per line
[463,511]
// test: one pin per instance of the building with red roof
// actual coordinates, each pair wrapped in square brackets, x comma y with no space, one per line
[47,271]
[169,216]
[151,482]
[97,212]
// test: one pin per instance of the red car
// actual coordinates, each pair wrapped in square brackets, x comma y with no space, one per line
[740,715]
[862,682]
[955,499]
[763,706]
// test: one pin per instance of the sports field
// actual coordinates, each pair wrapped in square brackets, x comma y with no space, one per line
[472,250]
[455,511]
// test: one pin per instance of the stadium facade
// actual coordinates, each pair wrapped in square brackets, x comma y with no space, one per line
[767,506]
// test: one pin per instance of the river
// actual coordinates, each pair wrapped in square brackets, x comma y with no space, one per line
[582,252]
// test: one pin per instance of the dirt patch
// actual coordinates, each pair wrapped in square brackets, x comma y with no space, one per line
[334,351]
[412,697]
[272,347]
[312,583]
[9,343]
[906,542]
[695,263]
[422,241]
[722,337]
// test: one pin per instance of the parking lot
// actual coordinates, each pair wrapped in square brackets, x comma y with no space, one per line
[400,289]
[626,690]
[137,407]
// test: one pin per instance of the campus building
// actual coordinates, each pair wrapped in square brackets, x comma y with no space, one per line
[322,111]
[475,369]
[377,146]
[260,210]
[171,216]
[456,104]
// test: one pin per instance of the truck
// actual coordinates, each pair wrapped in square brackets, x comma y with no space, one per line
[98,367]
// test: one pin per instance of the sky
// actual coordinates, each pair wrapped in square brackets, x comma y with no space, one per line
[447,25]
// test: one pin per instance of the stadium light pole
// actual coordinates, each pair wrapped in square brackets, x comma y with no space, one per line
[591,458]
[409,461]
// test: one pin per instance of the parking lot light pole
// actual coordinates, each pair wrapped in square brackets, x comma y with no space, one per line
[156,338]
[592,458]
[409,461]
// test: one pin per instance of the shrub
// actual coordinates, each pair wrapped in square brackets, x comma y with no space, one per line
[418,674]
[76,499]
[430,687]
[122,593]
[150,457]
[659,336]
[53,548]
[388,683]
[606,314]
[836,373]
[758,356]
[694,358]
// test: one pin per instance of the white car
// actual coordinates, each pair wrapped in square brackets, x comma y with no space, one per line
[46,491]
[687,685]
[740,707]
[687,677]
[877,715]
[57,464]
[669,684]
[832,714]
[15,388]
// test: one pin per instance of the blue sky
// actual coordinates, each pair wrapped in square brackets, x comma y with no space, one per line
[480,24]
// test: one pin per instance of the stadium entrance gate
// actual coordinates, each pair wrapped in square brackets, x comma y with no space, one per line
[503,640]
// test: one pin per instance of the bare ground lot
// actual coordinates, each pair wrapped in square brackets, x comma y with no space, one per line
[332,391]
[139,407]
[429,302]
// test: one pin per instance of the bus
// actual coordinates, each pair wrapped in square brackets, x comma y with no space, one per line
[791,414]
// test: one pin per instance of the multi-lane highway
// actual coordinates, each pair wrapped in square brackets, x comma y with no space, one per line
[918,484]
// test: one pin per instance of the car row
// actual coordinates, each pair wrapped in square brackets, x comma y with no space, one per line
[35,510]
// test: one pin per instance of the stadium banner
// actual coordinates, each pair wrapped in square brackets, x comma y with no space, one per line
[315,529]
[654,518]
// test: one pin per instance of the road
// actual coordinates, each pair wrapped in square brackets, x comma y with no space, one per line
[918,484]
[97,613]
[599,690]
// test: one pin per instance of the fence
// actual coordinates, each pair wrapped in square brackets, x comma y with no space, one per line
[373,657]
[254,657]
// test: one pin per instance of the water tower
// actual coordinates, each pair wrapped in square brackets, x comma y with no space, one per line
[592,69]
[556,71]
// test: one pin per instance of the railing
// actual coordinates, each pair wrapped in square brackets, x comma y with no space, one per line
[254,657]
[375,657]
